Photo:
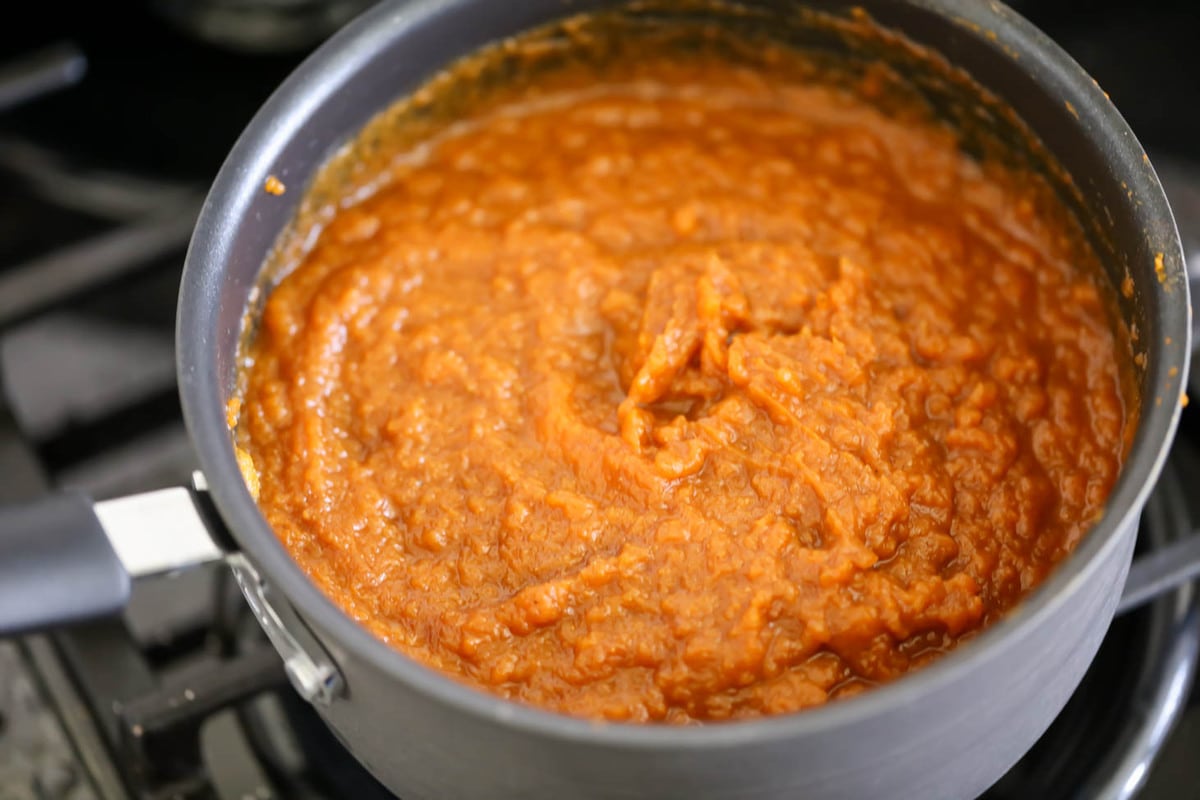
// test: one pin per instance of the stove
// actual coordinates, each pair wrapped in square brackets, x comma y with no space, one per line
[113,120]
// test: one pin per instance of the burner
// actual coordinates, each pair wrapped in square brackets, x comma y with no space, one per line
[283,727]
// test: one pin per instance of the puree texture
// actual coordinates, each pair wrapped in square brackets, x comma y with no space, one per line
[692,396]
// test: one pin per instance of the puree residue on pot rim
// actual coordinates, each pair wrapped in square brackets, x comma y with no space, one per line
[685,390]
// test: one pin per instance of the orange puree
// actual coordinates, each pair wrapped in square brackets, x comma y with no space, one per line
[689,396]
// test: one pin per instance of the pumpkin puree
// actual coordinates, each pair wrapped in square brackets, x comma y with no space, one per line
[690,396]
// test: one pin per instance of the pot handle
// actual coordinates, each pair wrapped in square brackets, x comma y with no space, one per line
[64,559]
[56,565]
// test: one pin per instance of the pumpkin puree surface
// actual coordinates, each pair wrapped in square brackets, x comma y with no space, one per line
[690,396]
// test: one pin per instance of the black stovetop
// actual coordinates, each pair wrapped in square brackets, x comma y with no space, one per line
[99,185]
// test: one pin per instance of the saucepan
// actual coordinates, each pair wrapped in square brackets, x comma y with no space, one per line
[949,730]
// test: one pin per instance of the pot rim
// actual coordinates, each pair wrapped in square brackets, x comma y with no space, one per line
[336,62]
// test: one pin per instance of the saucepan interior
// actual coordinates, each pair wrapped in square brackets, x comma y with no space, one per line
[1038,111]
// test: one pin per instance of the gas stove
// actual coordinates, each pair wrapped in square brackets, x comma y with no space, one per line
[113,120]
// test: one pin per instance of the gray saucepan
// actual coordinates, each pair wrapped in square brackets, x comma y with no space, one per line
[947,731]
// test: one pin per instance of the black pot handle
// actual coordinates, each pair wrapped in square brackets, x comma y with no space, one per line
[56,564]
[64,559]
